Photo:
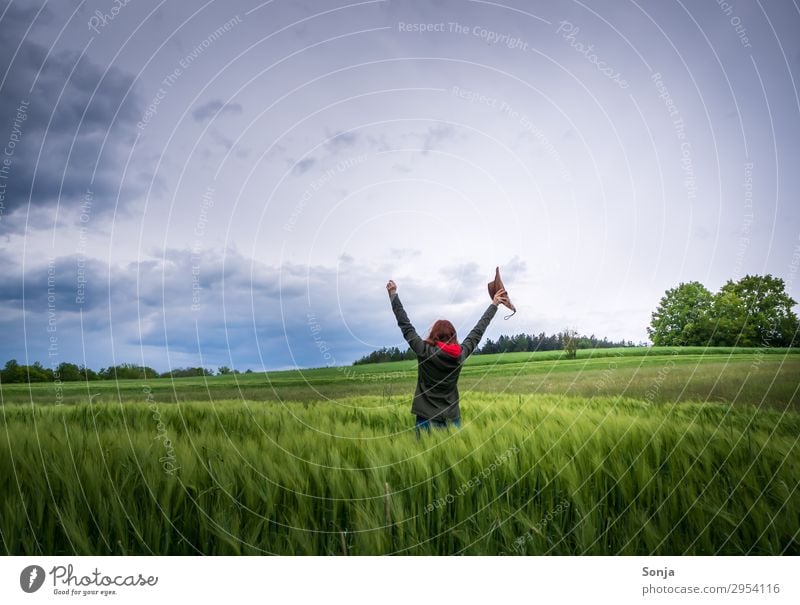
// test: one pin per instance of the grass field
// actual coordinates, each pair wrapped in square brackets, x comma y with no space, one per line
[623,451]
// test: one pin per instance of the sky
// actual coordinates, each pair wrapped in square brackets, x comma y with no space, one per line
[234,183]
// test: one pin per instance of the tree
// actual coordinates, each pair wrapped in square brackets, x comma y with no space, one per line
[69,372]
[89,373]
[127,371]
[755,311]
[682,316]
[729,326]
[38,373]
[223,370]
[13,372]
[569,340]
[187,372]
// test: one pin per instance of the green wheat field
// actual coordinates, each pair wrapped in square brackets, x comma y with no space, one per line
[620,451]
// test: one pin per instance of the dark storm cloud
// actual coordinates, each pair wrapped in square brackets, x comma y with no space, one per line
[215,107]
[74,108]
[182,305]
[63,281]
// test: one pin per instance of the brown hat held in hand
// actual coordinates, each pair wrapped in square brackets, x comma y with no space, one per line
[494,286]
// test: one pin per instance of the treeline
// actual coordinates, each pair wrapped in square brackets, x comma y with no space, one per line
[506,344]
[543,342]
[386,354]
[13,372]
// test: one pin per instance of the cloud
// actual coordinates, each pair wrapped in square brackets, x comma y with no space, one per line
[514,268]
[463,279]
[74,122]
[341,140]
[184,307]
[436,135]
[461,272]
[213,108]
[303,165]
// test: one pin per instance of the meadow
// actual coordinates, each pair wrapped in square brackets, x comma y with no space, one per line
[620,451]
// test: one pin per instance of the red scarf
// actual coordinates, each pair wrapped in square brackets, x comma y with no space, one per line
[451,348]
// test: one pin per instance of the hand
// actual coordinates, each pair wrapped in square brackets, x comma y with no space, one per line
[391,287]
[500,297]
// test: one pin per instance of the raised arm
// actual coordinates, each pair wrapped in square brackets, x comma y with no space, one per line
[409,333]
[474,337]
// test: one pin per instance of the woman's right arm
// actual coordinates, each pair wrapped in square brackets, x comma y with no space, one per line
[474,337]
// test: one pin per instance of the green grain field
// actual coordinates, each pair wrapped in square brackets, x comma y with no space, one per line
[621,451]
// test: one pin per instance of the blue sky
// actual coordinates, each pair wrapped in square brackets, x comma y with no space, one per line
[203,184]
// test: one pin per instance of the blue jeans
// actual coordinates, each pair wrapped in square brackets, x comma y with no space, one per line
[426,423]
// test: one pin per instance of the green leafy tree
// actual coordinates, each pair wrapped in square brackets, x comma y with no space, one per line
[569,339]
[68,372]
[683,316]
[730,326]
[13,372]
[88,373]
[755,311]
[127,371]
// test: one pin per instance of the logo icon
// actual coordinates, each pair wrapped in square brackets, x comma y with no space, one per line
[31,578]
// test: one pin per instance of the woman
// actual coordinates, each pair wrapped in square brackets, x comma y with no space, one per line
[439,361]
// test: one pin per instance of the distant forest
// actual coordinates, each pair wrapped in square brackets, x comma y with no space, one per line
[14,372]
[506,344]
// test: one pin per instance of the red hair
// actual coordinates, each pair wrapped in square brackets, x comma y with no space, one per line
[443,331]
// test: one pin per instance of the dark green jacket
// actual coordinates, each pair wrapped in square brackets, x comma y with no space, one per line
[436,396]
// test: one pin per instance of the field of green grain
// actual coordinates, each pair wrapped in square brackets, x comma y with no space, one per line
[624,451]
